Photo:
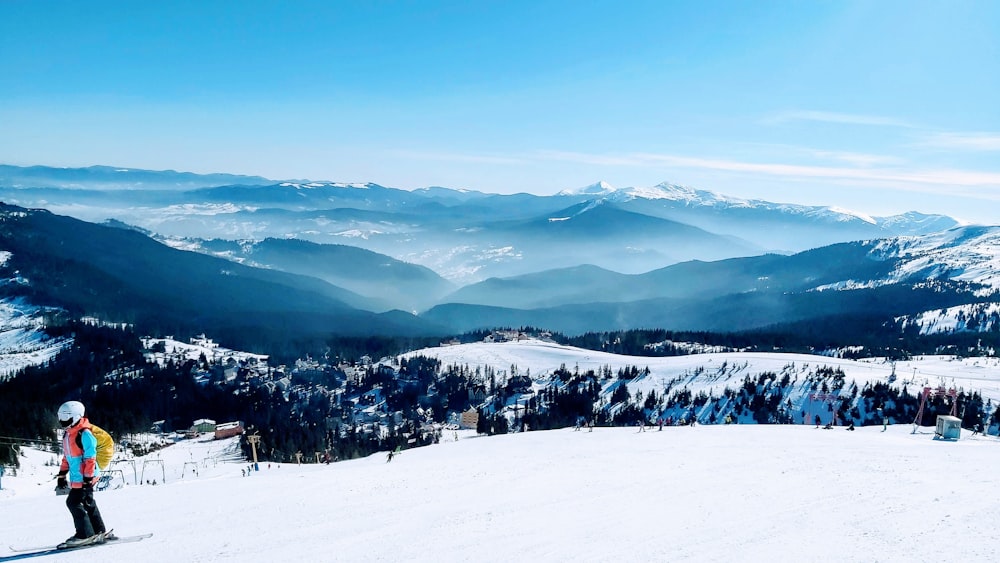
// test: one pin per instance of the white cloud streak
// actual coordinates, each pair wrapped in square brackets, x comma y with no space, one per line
[941,177]
[835,117]
[987,142]
[859,169]
[459,157]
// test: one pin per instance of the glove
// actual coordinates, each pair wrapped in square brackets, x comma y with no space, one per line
[88,483]
[61,482]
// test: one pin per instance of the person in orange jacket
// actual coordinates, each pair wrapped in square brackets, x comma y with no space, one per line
[79,471]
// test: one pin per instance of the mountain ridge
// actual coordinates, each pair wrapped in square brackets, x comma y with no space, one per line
[467,236]
[122,275]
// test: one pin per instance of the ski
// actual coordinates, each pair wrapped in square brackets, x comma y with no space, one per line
[28,552]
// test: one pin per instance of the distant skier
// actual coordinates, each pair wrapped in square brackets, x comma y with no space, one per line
[388,458]
[850,426]
[79,468]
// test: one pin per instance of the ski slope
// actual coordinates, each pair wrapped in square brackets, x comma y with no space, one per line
[703,493]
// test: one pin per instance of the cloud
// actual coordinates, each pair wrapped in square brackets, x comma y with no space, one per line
[854,158]
[928,177]
[836,117]
[965,141]
[854,169]
[460,157]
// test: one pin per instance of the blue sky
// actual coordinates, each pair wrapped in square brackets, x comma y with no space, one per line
[877,106]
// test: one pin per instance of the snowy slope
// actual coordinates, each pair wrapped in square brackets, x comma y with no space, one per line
[714,372]
[968,254]
[978,317]
[707,493]
[692,197]
[22,341]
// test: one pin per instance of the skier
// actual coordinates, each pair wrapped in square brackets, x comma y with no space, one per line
[79,468]
[388,458]
[977,428]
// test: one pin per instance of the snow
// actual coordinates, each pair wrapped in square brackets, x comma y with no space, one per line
[542,358]
[175,350]
[693,197]
[969,254]
[23,343]
[963,254]
[703,493]
[955,319]
[357,233]
[599,188]
[210,209]
[311,185]
[847,213]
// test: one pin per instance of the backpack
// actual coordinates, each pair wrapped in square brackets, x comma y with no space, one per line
[105,446]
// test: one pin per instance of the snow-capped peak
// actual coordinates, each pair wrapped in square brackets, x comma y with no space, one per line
[314,185]
[851,214]
[600,188]
[693,197]
[685,194]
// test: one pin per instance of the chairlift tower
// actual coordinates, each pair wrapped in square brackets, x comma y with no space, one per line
[827,398]
[163,470]
[254,441]
[940,391]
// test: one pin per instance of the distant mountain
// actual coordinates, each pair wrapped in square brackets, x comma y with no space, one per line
[309,195]
[605,235]
[892,278]
[112,178]
[772,226]
[967,254]
[386,282]
[462,235]
[121,275]
[577,284]
[686,280]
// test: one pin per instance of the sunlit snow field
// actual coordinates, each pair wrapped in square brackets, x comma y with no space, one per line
[702,493]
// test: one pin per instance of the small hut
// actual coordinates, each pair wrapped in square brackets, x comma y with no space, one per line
[948,427]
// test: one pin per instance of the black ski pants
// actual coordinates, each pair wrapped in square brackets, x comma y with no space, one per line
[86,516]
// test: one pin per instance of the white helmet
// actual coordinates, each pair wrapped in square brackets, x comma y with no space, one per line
[70,413]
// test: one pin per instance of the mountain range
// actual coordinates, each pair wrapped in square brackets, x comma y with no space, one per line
[465,236]
[176,251]
[121,275]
